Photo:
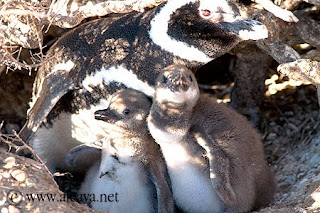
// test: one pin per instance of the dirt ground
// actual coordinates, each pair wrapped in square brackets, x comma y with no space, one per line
[290,129]
[289,125]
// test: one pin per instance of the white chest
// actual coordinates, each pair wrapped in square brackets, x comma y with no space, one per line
[161,136]
[192,189]
[134,192]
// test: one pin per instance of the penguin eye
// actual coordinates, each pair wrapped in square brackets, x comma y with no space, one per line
[164,79]
[126,111]
[190,78]
[206,13]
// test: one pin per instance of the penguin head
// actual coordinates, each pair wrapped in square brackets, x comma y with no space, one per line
[177,84]
[205,28]
[128,110]
[218,10]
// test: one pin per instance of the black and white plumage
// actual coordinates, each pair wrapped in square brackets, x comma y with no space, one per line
[96,59]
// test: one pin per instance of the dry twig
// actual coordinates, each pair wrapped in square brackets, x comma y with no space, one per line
[303,70]
[18,146]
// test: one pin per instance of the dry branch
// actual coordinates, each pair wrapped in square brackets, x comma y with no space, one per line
[313,55]
[307,28]
[281,52]
[315,2]
[67,14]
[282,36]
[7,58]
[303,70]
[283,14]
[274,45]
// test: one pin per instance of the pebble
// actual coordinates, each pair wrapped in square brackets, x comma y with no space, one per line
[289,113]
[30,182]
[272,136]
[19,175]
[13,209]
[272,123]
[4,210]
[293,127]
[6,175]
[3,201]
[10,162]
[315,159]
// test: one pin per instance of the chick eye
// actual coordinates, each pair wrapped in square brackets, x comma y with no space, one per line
[190,78]
[126,111]
[206,12]
[164,79]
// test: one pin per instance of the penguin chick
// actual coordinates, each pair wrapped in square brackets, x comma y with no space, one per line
[214,156]
[131,166]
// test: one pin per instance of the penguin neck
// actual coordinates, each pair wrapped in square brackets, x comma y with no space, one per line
[127,145]
[173,119]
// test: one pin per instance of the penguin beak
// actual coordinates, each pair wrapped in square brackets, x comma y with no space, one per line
[105,115]
[228,16]
[178,83]
[101,114]
[246,29]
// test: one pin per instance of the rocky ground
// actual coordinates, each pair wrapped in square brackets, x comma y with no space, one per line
[289,125]
[21,176]
[290,129]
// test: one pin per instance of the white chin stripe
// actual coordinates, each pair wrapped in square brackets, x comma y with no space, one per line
[159,34]
[120,75]
[166,95]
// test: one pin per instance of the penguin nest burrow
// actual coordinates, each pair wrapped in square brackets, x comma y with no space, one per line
[288,123]
[289,126]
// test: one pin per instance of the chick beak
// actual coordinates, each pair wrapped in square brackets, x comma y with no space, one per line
[102,115]
[178,83]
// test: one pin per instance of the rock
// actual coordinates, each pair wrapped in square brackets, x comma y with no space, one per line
[6,175]
[13,209]
[4,210]
[19,175]
[30,176]
[272,136]
[10,162]
[30,182]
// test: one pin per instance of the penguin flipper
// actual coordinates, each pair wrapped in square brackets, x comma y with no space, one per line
[158,174]
[219,167]
[83,156]
[52,88]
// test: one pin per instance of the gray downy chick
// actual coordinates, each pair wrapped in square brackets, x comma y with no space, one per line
[214,156]
[131,166]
